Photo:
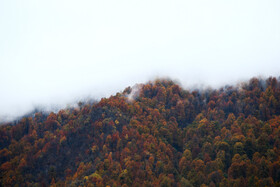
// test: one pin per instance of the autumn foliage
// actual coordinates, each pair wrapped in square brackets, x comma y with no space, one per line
[164,136]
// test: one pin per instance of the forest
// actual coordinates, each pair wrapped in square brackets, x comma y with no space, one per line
[152,134]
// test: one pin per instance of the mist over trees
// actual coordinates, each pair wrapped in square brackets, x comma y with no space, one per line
[153,134]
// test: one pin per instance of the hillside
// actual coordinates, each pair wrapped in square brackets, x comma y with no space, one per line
[154,134]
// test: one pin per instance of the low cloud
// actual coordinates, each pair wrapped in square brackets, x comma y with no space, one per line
[70,51]
[134,92]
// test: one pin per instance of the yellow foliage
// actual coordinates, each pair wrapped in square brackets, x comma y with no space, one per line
[95,175]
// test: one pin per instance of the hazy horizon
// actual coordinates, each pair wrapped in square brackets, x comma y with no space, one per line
[54,53]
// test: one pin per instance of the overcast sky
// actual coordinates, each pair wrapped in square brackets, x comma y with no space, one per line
[54,52]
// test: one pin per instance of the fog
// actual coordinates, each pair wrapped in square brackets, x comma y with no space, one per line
[54,53]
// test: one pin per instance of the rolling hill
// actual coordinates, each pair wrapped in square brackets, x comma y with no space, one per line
[153,134]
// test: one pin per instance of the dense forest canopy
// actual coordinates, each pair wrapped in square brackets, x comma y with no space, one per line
[154,134]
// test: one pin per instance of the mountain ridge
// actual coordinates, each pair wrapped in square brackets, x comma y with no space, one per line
[153,134]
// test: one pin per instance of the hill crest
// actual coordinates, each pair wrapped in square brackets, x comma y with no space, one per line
[154,134]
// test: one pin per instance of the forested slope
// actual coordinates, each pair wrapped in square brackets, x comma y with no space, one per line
[154,134]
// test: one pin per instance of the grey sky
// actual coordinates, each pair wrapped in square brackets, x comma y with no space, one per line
[54,52]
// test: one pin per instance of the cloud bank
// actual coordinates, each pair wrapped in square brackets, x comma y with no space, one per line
[53,53]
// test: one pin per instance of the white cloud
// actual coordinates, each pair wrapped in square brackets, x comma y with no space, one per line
[56,51]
